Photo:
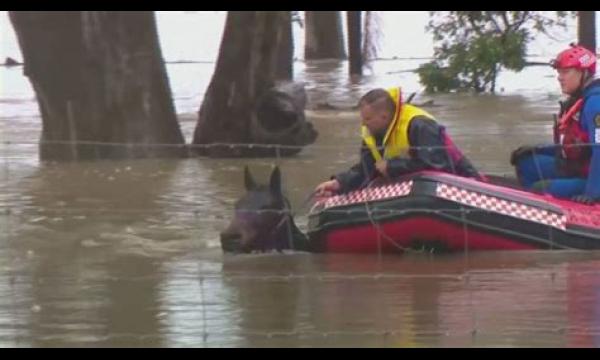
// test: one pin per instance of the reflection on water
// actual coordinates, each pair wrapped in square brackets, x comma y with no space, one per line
[126,253]
[496,299]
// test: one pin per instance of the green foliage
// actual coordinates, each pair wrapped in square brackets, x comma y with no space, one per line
[473,46]
[437,79]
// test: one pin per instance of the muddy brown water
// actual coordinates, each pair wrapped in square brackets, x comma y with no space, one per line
[126,253]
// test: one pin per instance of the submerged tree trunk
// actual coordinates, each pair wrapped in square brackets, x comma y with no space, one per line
[100,81]
[586,21]
[371,36]
[354,42]
[241,104]
[324,35]
[285,64]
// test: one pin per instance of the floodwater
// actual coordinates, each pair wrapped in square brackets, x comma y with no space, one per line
[126,253]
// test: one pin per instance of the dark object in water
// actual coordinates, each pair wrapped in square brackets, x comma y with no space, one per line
[280,119]
[262,220]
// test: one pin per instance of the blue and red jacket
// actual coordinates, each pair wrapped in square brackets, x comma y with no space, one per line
[590,123]
[583,162]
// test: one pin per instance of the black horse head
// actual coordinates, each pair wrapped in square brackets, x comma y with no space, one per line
[262,220]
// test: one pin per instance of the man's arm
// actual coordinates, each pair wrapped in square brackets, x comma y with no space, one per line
[358,174]
[427,150]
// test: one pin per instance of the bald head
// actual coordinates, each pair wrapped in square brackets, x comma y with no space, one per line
[379,100]
[377,110]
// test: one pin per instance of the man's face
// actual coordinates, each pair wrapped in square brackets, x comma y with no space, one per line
[569,80]
[376,120]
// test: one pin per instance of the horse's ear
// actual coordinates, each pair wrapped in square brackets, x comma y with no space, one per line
[275,182]
[248,179]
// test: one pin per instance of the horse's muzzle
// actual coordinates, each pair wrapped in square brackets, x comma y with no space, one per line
[231,242]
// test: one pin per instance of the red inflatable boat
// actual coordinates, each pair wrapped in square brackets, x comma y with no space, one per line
[443,212]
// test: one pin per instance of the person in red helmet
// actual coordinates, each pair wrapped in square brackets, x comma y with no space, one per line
[397,139]
[571,167]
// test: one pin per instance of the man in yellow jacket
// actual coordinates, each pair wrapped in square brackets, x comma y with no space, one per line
[397,139]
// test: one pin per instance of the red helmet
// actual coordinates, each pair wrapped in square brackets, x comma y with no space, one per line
[576,57]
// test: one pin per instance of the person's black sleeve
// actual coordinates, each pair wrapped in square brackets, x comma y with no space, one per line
[427,150]
[358,174]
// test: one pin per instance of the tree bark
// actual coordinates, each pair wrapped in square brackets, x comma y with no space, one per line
[324,35]
[586,21]
[241,89]
[101,84]
[354,42]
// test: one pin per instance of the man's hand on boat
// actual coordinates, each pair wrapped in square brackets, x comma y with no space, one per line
[327,189]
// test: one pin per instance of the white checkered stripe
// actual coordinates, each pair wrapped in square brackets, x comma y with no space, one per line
[501,206]
[370,194]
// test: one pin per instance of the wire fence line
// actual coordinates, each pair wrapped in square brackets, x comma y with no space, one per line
[79,212]
[351,145]
[74,215]
[207,332]
[182,212]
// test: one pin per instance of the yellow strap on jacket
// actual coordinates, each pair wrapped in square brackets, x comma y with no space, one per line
[395,142]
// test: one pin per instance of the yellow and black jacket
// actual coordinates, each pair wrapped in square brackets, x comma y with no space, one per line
[414,141]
